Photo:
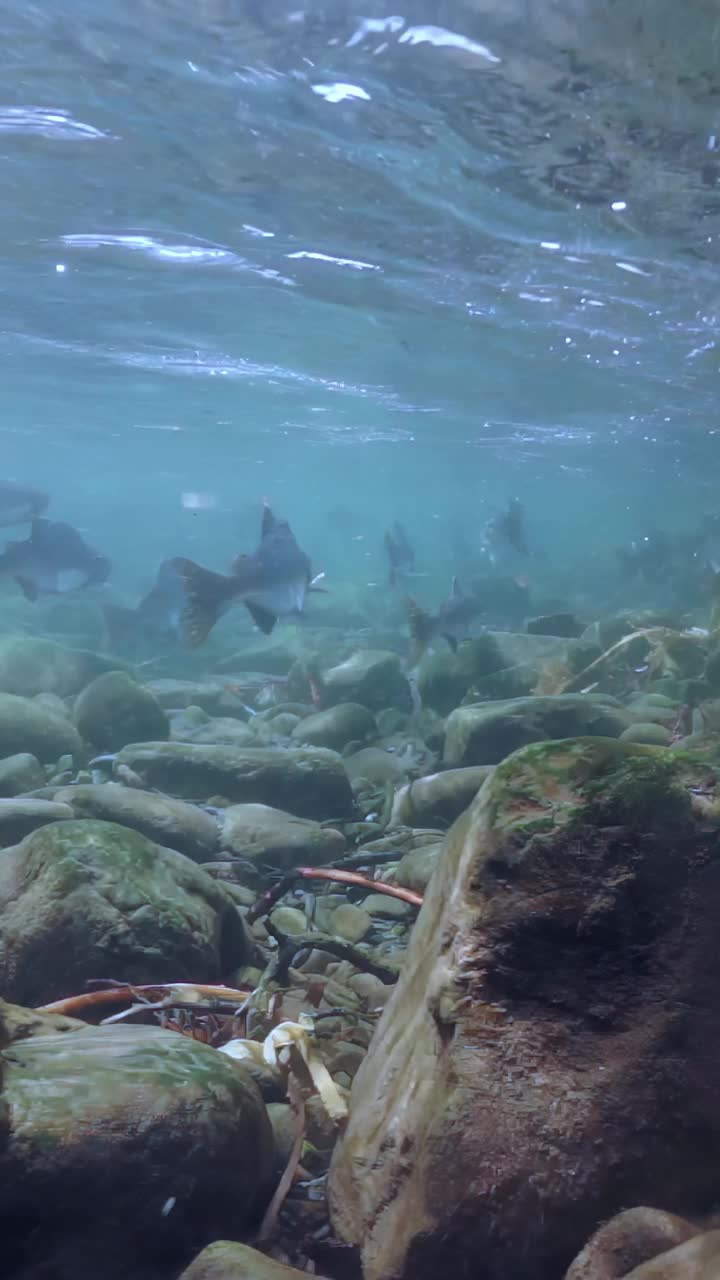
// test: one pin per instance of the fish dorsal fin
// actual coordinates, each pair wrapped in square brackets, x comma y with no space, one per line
[456,590]
[269,521]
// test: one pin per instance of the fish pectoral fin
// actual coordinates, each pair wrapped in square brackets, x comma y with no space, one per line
[27,586]
[264,619]
[207,596]
[451,641]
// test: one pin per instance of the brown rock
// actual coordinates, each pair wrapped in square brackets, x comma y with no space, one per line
[225,1260]
[548,1055]
[628,1239]
[697,1259]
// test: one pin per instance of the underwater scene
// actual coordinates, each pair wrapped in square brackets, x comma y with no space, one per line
[360,640]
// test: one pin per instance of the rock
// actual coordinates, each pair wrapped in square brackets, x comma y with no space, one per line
[382,904]
[697,1259]
[114,710]
[85,899]
[555,624]
[95,1174]
[257,831]
[415,868]
[284,1127]
[225,1260]
[628,1239]
[337,726]
[21,815]
[274,659]
[306,781]
[350,922]
[289,920]
[175,694]
[487,732]
[372,991]
[27,728]
[21,772]
[653,734]
[220,730]
[376,765]
[29,665]
[284,724]
[438,798]
[372,677]
[169,822]
[556,1011]
[17,1023]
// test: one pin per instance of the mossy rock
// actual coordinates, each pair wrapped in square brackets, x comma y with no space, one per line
[28,727]
[30,665]
[84,899]
[646,731]
[114,710]
[128,1148]
[485,733]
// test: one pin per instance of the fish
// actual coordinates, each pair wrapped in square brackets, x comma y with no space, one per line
[155,620]
[271,583]
[20,504]
[506,531]
[451,621]
[400,554]
[53,560]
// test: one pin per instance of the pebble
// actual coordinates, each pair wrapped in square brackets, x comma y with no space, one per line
[373,993]
[289,920]
[381,904]
[351,923]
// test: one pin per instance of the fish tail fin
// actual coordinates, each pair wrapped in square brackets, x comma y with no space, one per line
[420,624]
[207,596]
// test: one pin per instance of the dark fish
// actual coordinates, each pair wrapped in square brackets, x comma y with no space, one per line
[155,620]
[506,531]
[451,621]
[271,583]
[400,554]
[19,504]
[53,560]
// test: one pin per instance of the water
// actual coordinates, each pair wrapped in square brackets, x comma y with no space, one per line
[486,265]
[369,265]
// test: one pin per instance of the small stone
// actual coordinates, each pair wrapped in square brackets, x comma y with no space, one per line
[114,710]
[345,1057]
[382,904]
[373,993]
[350,922]
[289,920]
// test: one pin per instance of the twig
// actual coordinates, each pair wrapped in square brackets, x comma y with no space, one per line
[290,943]
[265,903]
[271,1213]
[169,995]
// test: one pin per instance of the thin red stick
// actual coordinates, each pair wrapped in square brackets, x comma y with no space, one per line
[354,877]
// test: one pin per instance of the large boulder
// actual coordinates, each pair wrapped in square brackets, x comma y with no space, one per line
[23,814]
[30,665]
[125,1150]
[225,1260]
[487,732]
[372,677]
[29,727]
[548,1056]
[168,821]
[438,798]
[86,899]
[307,781]
[114,710]
[20,772]
[259,832]
[334,728]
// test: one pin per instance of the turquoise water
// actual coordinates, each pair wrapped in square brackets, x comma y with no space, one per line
[406,263]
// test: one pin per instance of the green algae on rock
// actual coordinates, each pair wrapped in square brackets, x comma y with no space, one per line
[556,1011]
[171,822]
[486,732]
[121,1136]
[334,728]
[28,727]
[259,832]
[114,710]
[309,782]
[30,665]
[87,899]
[24,814]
